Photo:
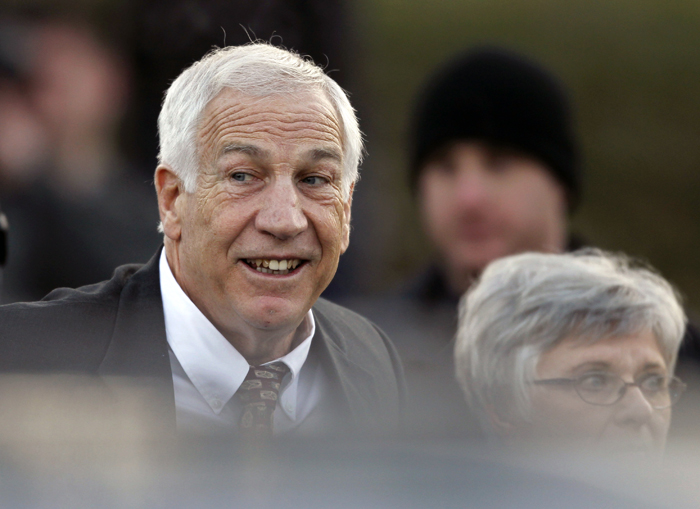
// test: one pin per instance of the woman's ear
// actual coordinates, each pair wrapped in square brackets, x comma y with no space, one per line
[502,425]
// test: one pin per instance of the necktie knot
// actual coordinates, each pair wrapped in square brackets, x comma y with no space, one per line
[259,393]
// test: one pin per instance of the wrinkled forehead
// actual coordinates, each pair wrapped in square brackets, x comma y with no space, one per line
[228,100]
[303,116]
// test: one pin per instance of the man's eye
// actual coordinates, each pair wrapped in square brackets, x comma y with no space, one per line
[314,180]
[444,167]
[240,176]
[502,163]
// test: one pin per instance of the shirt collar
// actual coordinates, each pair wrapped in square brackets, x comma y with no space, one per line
[213,365]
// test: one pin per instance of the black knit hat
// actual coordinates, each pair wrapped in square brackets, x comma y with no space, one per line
[499,97]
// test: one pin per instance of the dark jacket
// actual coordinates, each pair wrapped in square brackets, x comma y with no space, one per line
[421,319]
[117,328]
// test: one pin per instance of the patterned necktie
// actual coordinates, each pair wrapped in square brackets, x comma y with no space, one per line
[259,393]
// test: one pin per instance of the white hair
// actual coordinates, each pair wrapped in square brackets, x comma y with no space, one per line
[524,305]
[257,69]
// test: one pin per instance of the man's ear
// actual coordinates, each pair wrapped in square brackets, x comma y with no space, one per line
[170,192]
[347,205]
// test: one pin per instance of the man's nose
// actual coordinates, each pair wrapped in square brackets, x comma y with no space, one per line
[472,185]
[281,213]
[634,408]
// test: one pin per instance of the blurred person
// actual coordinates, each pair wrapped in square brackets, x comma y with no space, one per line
[78,207]
[494,165]
[259,154]
[495,171]
[23,143]
[79,90]
[575,349]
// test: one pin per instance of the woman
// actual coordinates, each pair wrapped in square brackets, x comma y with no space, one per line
[578,346]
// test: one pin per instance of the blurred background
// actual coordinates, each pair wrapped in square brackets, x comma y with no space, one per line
[76,166]
[633,72]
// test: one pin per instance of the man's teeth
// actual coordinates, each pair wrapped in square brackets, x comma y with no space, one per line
[274,266]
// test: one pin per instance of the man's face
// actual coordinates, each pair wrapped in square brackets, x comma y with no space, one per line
[268,196]
[480,203]
[631,424]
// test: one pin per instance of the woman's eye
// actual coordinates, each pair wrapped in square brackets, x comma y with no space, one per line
[654,383]
[594,382]
[241,176]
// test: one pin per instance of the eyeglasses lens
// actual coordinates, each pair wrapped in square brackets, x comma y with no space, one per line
[607,389]
[600,388]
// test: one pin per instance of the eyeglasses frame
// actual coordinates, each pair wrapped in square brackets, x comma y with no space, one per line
[681,387]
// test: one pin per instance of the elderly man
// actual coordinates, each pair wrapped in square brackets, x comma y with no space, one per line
[259,152]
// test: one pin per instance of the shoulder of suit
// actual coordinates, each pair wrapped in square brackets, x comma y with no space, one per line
[103,290]
[85,297]
[334,313]
[372,363]
[67,321]
[350,331]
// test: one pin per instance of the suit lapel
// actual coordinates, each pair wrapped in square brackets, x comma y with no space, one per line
[139,347]
[354,385]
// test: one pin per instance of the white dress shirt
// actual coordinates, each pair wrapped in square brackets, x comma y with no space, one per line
[208,370]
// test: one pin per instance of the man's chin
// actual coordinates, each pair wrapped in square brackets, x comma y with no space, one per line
[273,313]
[473,262]
[475,258]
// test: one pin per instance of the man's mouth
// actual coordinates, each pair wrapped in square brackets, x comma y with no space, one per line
[277,267]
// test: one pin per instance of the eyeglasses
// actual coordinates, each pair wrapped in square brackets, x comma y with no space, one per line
[607,389]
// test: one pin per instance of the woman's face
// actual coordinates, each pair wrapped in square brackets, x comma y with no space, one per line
[630,425]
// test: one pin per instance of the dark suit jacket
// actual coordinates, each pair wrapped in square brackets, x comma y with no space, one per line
[117,328]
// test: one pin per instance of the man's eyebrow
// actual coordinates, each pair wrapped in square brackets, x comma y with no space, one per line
[319,154]
[244,148]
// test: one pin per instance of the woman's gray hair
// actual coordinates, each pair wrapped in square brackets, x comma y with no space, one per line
[256,69]
[524,305]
